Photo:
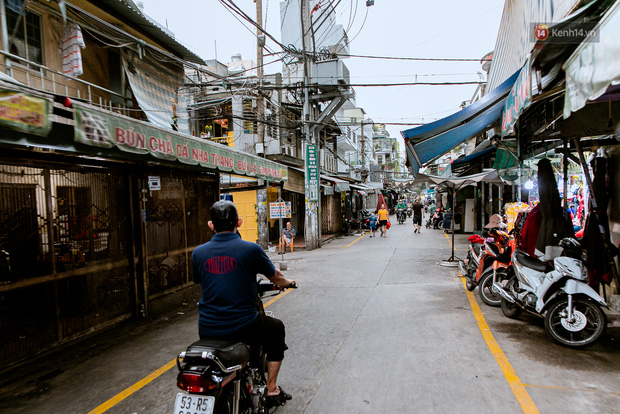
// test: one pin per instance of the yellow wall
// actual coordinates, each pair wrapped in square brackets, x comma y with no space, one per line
[245,201]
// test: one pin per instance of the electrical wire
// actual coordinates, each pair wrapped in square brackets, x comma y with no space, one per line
[230,4]
[424,59]
[364,85]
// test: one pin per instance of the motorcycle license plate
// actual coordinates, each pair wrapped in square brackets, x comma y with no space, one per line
[193,404]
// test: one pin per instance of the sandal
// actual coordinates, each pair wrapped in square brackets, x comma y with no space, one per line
[278,399]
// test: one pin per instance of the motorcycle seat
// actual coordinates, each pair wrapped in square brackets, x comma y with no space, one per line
[532,262]
[229,353]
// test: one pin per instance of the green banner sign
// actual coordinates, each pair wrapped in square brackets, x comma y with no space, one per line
[518,99]
[25,112]
[101,129]
[312,173]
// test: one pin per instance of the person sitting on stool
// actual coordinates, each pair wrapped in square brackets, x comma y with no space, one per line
[287,237]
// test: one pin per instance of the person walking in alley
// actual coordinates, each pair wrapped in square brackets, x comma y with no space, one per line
[418,215]
[384,219]
[287,236]
[226,268]
[373,224]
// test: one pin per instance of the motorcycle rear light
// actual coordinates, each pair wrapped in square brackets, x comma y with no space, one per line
[195,383]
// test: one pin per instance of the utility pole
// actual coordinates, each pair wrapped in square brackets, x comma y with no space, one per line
[312,170]
[363,154]
[261,202]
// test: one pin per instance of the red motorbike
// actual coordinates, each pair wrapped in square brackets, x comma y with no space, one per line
[477,268]
[499,253]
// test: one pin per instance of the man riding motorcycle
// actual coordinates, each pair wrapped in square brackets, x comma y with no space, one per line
[226,268]
[401,213]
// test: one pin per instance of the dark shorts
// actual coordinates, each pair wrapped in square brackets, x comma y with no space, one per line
[417,220]
[266,331]
[382,223]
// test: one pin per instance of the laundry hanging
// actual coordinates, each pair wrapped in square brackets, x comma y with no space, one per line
[71,45]
[158,90]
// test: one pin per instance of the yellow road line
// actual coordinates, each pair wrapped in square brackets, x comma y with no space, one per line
[518,388]
[355,241]
[280,296]
[135,387]
[154,375]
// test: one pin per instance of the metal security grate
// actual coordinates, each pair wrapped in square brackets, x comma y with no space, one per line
[64,262]
[175,223]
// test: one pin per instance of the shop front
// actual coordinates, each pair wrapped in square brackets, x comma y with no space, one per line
[99,216]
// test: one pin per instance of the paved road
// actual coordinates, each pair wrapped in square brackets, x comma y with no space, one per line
[377,325]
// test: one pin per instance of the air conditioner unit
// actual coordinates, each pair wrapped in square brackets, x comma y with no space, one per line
[330,72]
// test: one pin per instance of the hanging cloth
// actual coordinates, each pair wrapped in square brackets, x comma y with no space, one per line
[593,238]
[554,224]
[16,6]
[71,45]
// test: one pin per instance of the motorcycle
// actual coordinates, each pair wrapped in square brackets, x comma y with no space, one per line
[559,293]
[224,377]
[409,212]
[500,270]
[487,261]
[400,215]
[469,266]
[436,218]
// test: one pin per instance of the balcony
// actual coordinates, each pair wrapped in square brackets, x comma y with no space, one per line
[49,80]
[346,144]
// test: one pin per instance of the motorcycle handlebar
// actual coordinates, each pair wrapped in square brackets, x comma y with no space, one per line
[266,286]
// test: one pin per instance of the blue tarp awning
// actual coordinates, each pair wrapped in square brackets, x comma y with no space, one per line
[431,129]
[426,143]
[472,157]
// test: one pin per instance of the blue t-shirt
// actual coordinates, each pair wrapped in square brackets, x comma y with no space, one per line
[226,268]
[373,221]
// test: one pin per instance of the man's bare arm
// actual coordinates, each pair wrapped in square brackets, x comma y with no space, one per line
[280,281]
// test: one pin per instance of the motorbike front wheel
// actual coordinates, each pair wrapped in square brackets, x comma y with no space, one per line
[487,292]
[588,323]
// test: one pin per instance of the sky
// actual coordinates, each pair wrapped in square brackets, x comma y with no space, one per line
[390,28]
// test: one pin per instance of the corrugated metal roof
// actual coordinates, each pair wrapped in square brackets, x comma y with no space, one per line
[128,11]
[513,43]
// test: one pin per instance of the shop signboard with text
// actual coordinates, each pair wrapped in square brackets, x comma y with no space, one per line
[25,112]
[518,99]
[312,173]
[101,129]
[280,209]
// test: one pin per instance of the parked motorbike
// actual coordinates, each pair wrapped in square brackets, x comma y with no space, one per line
[487,261]
[436,218]
[559,293]
[401,215]
[224,377]
[499,255]
[469,266]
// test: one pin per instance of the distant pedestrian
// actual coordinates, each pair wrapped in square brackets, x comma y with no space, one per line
[418,215]
[373,223]
[384,219]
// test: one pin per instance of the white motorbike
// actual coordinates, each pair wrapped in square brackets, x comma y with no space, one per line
[560,293]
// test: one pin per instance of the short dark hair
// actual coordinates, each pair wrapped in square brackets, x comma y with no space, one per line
[224,216]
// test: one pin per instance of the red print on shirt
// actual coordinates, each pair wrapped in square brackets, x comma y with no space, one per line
[220,265]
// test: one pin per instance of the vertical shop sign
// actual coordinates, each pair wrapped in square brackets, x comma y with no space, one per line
[518,99]
[312,173]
